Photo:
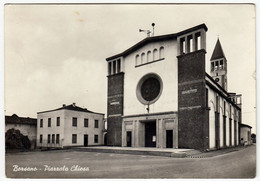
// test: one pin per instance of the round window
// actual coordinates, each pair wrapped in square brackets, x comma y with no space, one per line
[149,89]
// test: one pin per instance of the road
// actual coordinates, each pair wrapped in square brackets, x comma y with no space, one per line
[238,164]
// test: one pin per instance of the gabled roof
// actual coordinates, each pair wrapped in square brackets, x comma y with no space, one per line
[14,119]
[218,51]
[71,107]
[155,39]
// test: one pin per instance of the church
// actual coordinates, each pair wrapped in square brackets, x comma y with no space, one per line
[159,95]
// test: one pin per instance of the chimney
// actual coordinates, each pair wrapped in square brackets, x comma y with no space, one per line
[63,105]
[74,104]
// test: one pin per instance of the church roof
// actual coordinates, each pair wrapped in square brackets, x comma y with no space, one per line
[156,39]
[72,107]
[218,52]
[14,119]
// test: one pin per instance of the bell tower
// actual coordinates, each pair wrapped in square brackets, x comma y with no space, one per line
[218,66]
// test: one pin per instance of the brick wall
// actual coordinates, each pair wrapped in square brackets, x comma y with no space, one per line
[115,109]
[193,130]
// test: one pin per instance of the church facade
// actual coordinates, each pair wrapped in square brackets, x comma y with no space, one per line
[159,95]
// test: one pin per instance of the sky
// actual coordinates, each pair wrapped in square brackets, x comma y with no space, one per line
[55,54]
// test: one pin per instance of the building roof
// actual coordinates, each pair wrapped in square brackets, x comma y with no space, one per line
[72,107]
[14,119]
[155,39]
[245,125]
[218,51]
[226,94]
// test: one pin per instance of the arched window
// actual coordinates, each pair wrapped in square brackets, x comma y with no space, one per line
[142,58]
[155,54]
[137,60]
[149,56]
[161,53]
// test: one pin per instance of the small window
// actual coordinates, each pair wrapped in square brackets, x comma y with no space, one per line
[74,122]
[85,122]
[189,44]
[49,138]
[142,58]
[57,138]
[118,65]
[155,54]
[197,41]
[109,68]
[96,139]
[182,46]
[58,121]
[53,138]
[41,123]
[49,122]
[161,53]
[74,138]
[96,123]
[149,56]
[40,138]
[137,60]
[114,67]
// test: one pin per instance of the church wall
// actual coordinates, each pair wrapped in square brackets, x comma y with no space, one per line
[165,68]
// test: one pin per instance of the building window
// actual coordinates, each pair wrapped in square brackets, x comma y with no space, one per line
[49,138]
[49,122]
[114,67]
[58,121]
[96,139]
[118,65]
[74,122]
[149,89]
[161,53]
[85,122]
[40,138]
[137,60]
[142,58]
[155,54]
[41,123]
[57,138]
[109,68]
[74,138]
[189,43]
[96,123]
[149,56]
[53,138]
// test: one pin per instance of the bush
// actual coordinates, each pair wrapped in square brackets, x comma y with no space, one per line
[14,139]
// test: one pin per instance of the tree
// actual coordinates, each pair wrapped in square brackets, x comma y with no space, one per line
[14,139]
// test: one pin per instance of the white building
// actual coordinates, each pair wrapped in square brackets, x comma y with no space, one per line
[245,134]
[69,126]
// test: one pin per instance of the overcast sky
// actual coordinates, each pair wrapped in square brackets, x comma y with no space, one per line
[55,54]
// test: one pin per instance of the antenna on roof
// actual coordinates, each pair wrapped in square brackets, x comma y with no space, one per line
[153,24]
[148,32]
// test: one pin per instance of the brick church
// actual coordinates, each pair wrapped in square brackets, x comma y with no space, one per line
[159,95]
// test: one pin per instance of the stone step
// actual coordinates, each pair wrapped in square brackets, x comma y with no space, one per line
[132,151]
